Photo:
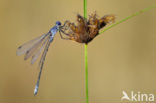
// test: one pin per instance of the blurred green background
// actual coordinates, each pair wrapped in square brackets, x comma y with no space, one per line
[123,58]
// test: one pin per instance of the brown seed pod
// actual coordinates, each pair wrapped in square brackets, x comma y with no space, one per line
[86,30]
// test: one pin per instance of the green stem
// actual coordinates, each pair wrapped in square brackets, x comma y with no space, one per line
[86,70]
[85,8]
[86,56]
[127,18]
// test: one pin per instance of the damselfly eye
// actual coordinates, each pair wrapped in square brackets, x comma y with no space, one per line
[58,23]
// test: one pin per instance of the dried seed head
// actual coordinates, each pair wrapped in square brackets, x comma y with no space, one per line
[87,30]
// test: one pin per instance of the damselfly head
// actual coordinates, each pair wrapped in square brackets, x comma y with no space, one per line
[58,23]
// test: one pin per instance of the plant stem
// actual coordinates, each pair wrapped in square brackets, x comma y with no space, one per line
[127,18]
[86,56]
[86,70]
[85,8]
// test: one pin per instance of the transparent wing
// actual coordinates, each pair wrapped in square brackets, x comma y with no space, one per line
[41,65]
[28,45]
[35,48]
[37,54]
[44,54]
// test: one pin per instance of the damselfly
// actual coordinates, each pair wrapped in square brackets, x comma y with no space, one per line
[35,47]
